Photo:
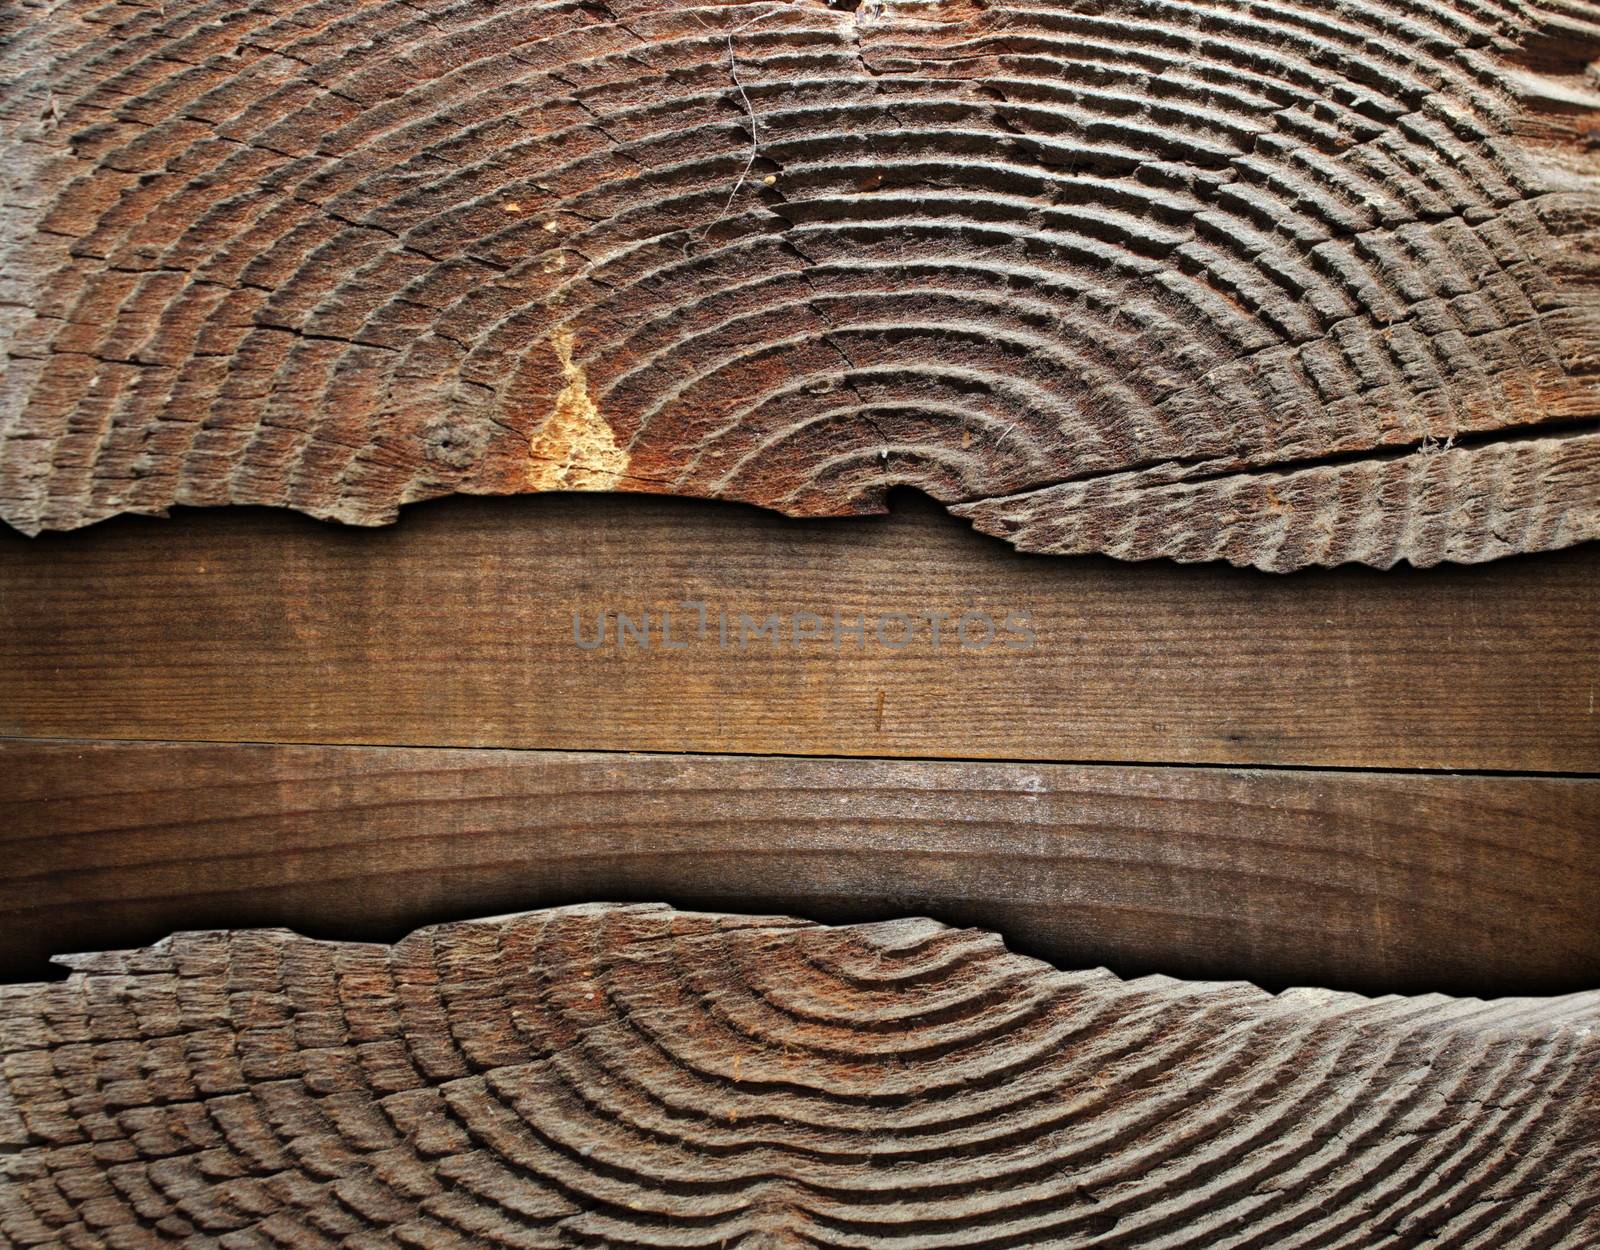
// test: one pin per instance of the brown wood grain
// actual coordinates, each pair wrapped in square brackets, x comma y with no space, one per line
[1467,884]
[455,627]
[641,1077]
[1228,281]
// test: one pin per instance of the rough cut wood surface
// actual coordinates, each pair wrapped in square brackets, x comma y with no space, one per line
[1375,882]
[454,628]
[1278,283]
[641,1077]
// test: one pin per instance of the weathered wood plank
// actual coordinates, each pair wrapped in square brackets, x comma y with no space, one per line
[1484,885]
[1244,281]
[456,628]
[644,1077]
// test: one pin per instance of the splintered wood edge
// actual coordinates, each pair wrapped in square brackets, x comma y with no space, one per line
[1243,282]
[634,1075]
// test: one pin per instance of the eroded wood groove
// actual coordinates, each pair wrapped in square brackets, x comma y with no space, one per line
[1468,885]
[642,1077]
[1220,281]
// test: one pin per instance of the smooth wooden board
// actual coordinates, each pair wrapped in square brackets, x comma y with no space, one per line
[641,1077]
[455,627]
[1232,281]
[1485,885]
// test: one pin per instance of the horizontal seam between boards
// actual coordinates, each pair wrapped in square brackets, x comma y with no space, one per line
[795,756]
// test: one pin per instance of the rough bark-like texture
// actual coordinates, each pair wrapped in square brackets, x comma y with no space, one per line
[642,1077]
[1281,283]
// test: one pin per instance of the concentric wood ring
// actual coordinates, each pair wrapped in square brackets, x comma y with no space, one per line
[1280,283]
[634,1076]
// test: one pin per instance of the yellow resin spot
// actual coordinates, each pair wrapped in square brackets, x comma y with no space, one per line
[575,450]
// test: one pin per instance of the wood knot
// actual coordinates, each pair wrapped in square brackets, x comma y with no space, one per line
[454,444]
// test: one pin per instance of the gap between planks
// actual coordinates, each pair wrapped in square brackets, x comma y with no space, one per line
[1020,761]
